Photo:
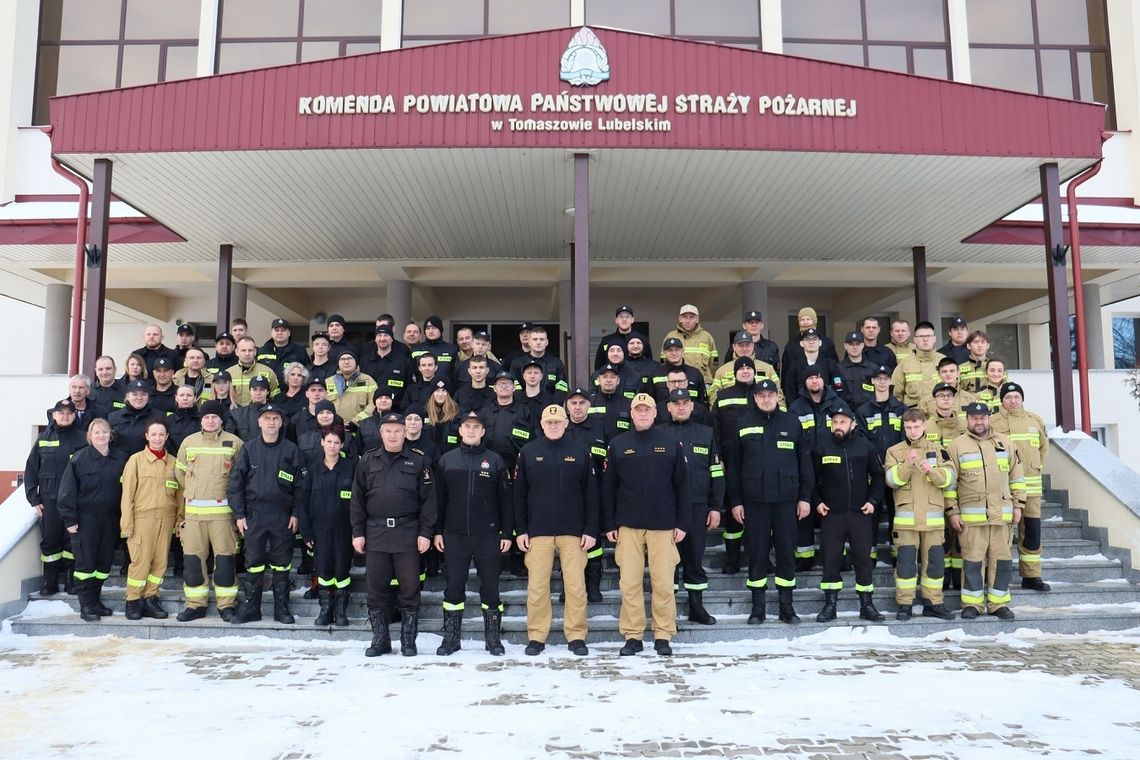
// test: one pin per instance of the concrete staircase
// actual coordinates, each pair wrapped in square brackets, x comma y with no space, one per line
[1090,592]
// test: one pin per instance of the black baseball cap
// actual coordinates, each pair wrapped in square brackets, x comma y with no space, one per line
[607,368]
[314,381]
[393,418]
[679,394]
[279,322]
[526,327]
[503,375]
[271,409]
[473,414]
[532,363]
[943,387]
[882,369]
[624,308]
[481,335]
[259,382]
[63,405]
[840,409]
[163,363]
[743,336]
[765,386]
[673,343]
[811,331]
[577,391]
[185,329]
[853,337]
[958,322]
[976,407]
[138,385]
[753,316]
[224,336]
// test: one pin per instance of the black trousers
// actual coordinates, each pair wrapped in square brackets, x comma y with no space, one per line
[692,551]
[94,545]
[458,551]
[770,525]
[268,539]
[805,536]
[383,568]
[332,547]
[856,528]
[55,541]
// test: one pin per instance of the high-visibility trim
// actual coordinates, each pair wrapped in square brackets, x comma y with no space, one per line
[931,583]
[49,558]
[762,583]
[954,562]
[449,607]
[751,430]
[865,589]
[972,465]
[785,582]
[487,607]
[180,466]
[282,568]
[156,580]
[972,597]
[731,401]
[830,459]
[67,555]
[222,510]
[595,553]
[831,585]
[786,445]
[423,577]
[805,552]
[225,590]
[196,592]
[893,477]
[48,444]
[733,535]
[904,518]
[875,423]
[696,586]
[392,383]
[994,596]
[950,493]
[1030,558]
[255,569]
[716,471]
[134,583]
[808,424]
[908,583]
[561,386]
[935,522]
[82,576]
[343,582]
[974,514]
[100,576]
[326,582]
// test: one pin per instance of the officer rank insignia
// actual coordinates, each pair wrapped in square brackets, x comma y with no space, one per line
[569,459]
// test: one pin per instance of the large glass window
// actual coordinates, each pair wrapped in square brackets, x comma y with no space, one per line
[727,22]
[254,34]
[1048,47]
[431,21]
[910,36]
[88,45]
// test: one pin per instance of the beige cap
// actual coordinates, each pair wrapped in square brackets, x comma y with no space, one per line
[689,309]
[553,412]
[643,399]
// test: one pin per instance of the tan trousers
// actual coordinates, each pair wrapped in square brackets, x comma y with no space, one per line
[920,561]
[1029,539]
[539,564]
[630,554]
[199,536]
[987,564]
[149,547]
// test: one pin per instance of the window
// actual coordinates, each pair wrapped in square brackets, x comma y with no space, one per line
[1048,47]
[88,45]
[1124,332]
[1005,343]
[253,34]
[430,21]
[726,22]
[909,36]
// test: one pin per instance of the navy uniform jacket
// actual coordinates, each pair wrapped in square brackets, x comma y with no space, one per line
[646,484]
[767,459]
[706,472]
[47,460]
[473,490]
[91,485]
[265,479]
[556,489]
[396,488]
[848,473]
[325,497]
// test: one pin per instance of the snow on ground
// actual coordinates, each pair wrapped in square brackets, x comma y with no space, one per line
[838,693]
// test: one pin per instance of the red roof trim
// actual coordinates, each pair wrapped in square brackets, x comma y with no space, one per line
[62,232]
[258,110]
[1033,233]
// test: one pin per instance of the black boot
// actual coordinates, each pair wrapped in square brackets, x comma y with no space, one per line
[50,585]
[867,609]
[134,609]
[408,630]
[67,570]
[787,611]
[518,566]
[697,611]
[101,609]
[830,600]
[731,556]
[151,608]
[325,616]
[340,607]
[492,638]
[250,609]
[314,589]
[381,636]
[452,625]
[594,580]
[281,599]
[86,592]
[759,607]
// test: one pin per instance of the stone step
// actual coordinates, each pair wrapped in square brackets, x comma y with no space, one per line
[603,628]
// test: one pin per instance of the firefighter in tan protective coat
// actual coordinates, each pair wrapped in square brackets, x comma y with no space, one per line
[147,509]
[985,504]
[918,470]
[1027,431]
[205,518]
[915,376]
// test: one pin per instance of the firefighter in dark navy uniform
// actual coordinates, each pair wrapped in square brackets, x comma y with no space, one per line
[589,430]
[706,484]
[850,484]
[769,484]
[393,514]
[473,490]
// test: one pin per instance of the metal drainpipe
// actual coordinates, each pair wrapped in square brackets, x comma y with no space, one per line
[80,245]
[1078,289]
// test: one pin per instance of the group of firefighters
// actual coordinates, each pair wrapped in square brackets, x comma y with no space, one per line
[419,452]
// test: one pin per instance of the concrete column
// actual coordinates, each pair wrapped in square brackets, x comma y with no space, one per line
[239,300]
[1099,349]
[754,295]
[1039,348]
[57,328]
[959,41]
[399,301]
[934,309]
[771,26]
[19,32]
[391,24]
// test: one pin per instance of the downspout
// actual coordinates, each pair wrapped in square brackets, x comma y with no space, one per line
[80,245]
[1078,289]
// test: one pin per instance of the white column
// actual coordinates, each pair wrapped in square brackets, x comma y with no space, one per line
[959,41]
[207,38]
[577,12]
[754,295]
[399,301]
[239,302]
[771,26]
[17,86]
[57,328]
[391,24]
[934,309]
[1036,354]
[1098,338]
[1124,31]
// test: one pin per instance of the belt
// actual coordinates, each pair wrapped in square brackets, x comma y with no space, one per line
[395,522]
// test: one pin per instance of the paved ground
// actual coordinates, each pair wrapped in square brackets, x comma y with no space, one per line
[828,696]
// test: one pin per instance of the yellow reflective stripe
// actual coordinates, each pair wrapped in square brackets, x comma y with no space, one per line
[865,589]
[181,466]
[935,522]
[904,518]
[831,585]
[51,557]
[156,580]
[910,583]
[716,471]
[596,410]
[999,597]
[190,510]
[972,465]
[48,444]
[751,431]
[196,592]
[762,583]
[731,402]
[912,377]
[785,582]
[222,450]
[893,477]
[932,583]
[135,583]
